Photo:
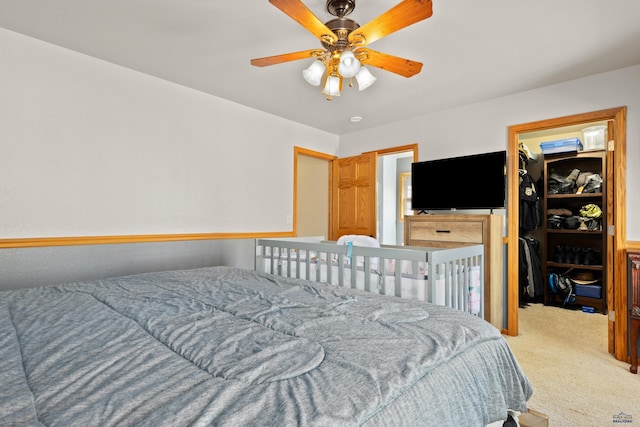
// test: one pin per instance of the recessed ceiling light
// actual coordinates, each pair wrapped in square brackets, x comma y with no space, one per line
[355,119]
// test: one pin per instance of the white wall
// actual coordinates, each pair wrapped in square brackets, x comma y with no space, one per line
[90,148]
[483,127]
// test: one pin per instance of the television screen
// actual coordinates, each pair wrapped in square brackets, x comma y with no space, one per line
[468,182]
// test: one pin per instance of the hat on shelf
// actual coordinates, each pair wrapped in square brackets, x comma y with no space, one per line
[559,211]
[584,278]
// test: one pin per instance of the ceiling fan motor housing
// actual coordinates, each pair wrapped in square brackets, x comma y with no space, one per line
[340,8]
[341,27]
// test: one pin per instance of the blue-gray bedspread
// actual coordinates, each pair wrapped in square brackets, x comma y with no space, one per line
[231,347]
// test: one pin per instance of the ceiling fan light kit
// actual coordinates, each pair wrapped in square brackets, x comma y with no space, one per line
[344,41]
[364,78]
[349,65]
[313,74]
[332,86]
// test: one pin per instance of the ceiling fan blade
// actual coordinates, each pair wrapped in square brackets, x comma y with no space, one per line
[394,64]
[303,16]
[279,59]
[402,15]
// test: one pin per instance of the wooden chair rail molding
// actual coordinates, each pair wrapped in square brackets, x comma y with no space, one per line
[142,238]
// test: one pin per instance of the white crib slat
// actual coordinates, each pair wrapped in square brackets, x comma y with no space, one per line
[397,277]
[367,273]
[275,253]
[455,292]
[463,275]
[287,256]
[341,261]
[430,284]
[382,270]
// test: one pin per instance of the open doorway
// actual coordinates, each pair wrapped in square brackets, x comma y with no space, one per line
[394,184]
[311,192]
[616,266]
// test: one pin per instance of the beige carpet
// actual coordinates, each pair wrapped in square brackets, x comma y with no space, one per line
[576,382]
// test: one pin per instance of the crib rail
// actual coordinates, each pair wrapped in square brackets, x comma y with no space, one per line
[452,277]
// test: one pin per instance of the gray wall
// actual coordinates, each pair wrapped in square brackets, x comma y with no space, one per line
[29,267]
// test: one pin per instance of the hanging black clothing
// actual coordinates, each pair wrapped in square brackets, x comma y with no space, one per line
[530,269]
[530,208]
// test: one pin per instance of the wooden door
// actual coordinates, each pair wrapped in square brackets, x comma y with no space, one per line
[609,223]
[353,199]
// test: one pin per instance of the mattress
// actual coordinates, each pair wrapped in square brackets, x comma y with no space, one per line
[228,347]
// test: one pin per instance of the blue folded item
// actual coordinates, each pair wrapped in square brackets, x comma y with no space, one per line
[592,291]
[561,146]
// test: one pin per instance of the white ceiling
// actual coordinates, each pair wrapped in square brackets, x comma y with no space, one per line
[471,50]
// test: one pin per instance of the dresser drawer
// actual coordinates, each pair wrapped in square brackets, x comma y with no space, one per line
[447,231]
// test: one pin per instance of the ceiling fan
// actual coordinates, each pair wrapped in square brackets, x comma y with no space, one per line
[344,55]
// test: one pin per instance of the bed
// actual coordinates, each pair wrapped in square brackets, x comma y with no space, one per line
[444,276]
[235,347]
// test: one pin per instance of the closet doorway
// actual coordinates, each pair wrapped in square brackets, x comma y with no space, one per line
[616,230]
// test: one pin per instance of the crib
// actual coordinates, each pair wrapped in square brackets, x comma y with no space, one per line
[451,277]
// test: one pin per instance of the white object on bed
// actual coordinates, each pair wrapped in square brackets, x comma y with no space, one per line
[360,240]
[437,275]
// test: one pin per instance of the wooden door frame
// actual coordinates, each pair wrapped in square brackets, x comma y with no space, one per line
[400,149]
[616,301]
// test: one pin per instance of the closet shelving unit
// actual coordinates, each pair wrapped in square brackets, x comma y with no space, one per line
[560,239]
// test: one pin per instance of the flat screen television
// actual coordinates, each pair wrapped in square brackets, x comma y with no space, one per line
[469,182]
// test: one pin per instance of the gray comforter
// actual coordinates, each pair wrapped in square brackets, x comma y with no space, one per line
[224,346]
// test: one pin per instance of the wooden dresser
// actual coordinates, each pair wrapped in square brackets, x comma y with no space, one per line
[453,230]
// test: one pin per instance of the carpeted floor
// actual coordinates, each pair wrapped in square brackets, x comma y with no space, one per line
[576,381]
